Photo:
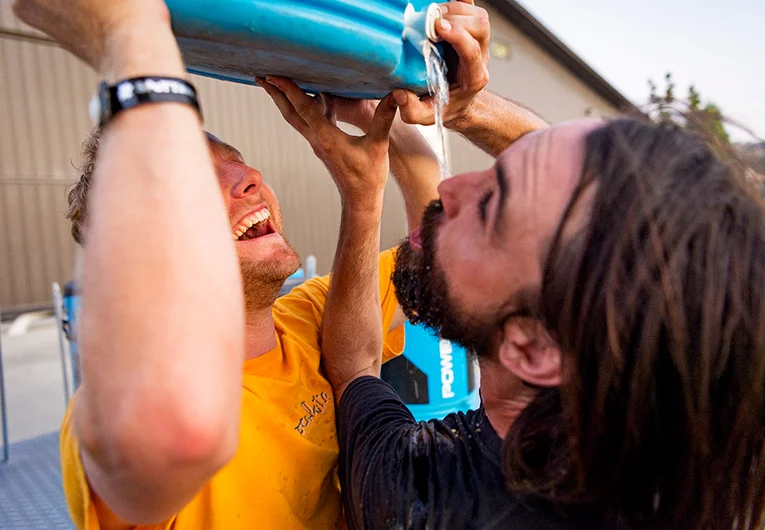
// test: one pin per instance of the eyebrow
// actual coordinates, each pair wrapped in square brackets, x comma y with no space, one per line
[235,152]
[503,186]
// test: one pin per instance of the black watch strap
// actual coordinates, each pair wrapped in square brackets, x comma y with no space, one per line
[130,93]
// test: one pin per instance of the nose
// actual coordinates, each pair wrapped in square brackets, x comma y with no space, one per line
[248,182]
[459,190]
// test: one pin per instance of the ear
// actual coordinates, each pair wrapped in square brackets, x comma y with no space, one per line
[528,351]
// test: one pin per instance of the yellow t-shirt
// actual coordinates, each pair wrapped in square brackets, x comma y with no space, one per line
[284,472]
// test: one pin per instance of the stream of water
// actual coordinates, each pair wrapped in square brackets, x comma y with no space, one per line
[438,88]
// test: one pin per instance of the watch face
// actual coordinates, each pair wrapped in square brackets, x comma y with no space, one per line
[94,108]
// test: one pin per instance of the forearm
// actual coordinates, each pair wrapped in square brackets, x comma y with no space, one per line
[415,168]
[162,326]
[352,333]
[493,123]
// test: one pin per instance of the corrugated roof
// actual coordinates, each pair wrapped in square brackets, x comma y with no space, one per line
[542,37]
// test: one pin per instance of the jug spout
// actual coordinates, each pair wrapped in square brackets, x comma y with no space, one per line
[420,26]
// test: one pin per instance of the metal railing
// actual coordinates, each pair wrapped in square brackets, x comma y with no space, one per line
[3,412]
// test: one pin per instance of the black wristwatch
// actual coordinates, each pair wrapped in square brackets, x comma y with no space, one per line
[110,100]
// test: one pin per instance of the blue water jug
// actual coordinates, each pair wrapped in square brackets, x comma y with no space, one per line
[353,48]
[433,377]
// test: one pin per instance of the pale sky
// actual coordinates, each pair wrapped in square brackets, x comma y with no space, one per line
[717,46]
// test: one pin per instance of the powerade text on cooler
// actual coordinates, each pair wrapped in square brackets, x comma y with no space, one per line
[434,377]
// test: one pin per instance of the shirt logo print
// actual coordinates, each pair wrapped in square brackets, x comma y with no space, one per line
[313,408]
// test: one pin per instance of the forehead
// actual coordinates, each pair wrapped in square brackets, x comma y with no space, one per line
[542,172]
[218,145]
[548,158]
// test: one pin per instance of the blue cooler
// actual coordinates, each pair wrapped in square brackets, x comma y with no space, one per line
[354,48]
[434,377]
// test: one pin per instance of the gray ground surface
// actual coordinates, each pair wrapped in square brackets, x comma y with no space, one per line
[31,495]
[34,382]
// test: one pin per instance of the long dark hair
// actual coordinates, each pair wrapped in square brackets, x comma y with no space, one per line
[658,305]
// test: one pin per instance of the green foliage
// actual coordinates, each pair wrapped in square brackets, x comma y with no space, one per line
[706,120]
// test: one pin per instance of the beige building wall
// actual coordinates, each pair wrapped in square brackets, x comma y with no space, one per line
[43,103]
[41,126]
[8,22]
[533,78]
[43,119]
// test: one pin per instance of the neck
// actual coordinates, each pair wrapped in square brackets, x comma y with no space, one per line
[259,298]
[504,396]
[260,337]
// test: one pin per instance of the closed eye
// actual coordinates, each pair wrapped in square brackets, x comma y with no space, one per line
[483,204]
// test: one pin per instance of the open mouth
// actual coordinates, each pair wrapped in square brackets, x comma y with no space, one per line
[254,226]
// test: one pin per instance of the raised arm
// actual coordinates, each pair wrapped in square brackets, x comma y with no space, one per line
[413,163]
[416,170]
[493,123]
[487,120]
[352,337]
[162,324]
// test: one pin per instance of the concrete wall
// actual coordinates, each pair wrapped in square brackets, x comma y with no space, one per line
[43,119]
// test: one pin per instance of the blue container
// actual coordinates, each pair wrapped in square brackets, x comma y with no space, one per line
[72,304]
[354,48]
[433,377]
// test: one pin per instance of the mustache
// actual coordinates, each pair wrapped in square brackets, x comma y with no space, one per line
[420,287]
[431,219]
[432,214]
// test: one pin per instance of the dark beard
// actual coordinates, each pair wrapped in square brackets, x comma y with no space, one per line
[423,292]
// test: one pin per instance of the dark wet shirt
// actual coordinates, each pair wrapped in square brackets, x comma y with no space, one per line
[398,473]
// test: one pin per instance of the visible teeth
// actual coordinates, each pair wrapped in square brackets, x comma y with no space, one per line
[236,238]
[254,220]
[260,217]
